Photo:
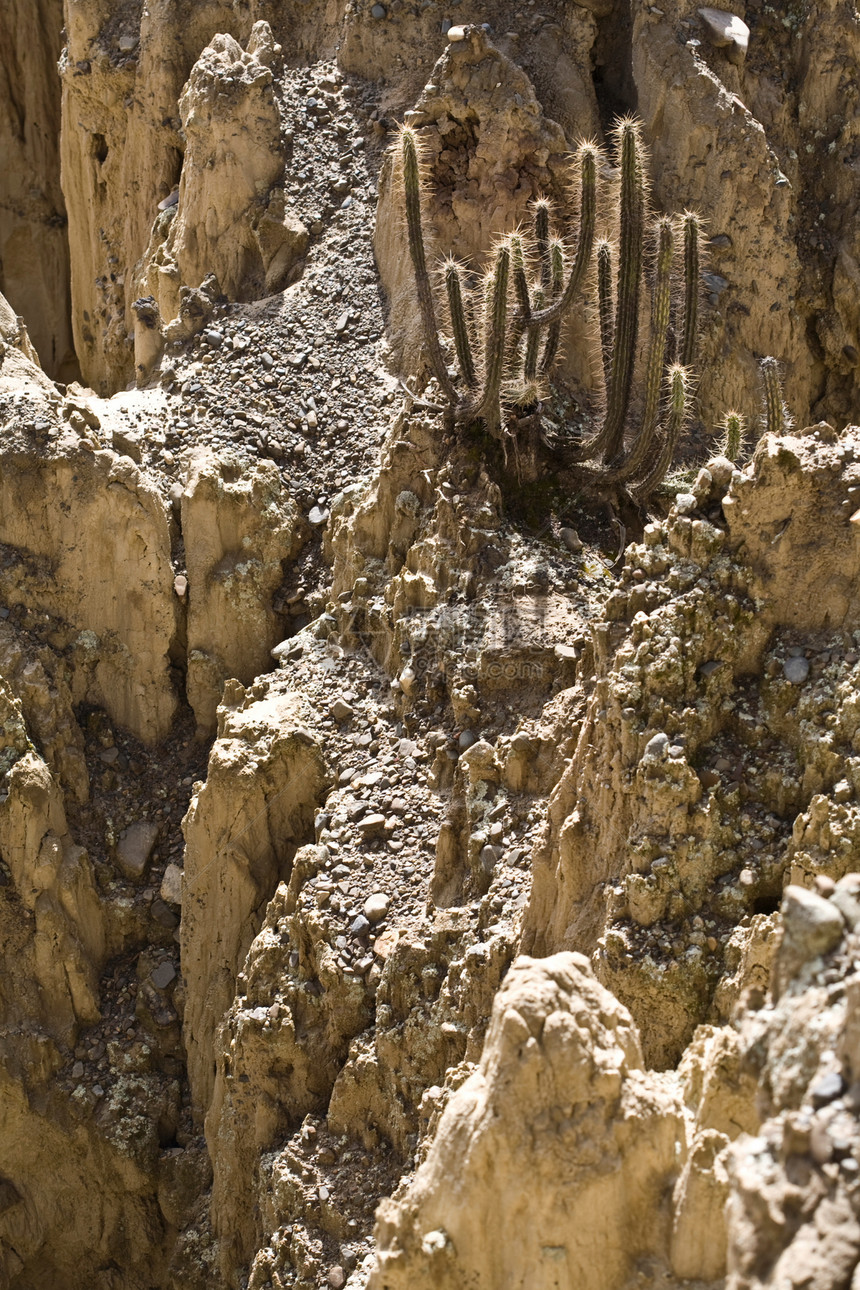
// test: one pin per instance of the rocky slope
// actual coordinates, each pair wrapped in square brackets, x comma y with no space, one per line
[413,873]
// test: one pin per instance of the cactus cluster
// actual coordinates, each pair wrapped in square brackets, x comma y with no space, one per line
[506,326]
[775,417]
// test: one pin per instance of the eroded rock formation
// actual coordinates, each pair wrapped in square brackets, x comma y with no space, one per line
[385,818]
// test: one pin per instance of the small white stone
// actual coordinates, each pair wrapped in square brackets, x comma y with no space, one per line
[456,34]
[376,907]
[725,28]
[171,885]
[407,679]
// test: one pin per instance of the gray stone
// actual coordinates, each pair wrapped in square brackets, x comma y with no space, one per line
[657,748]
[407,504]
[467,738]
[317,516]
[163,914]
[811,926]
[134,848]
[341,710]
[827,1089]
[359,927]
[685,502]
[796,670]
[571,539]
[489,858]
[163,975]
[377,906]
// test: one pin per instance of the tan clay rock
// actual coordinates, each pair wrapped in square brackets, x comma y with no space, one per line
[497,1201]
[19,363]
[232,219]
[242,829]
[42,681]
[240,528]
[791,1217]
[115,1163]
[418,1045]
[694,123]
[659,735]
[783,545]
[98,524]
[59,944]
[280,1048]
[34,251]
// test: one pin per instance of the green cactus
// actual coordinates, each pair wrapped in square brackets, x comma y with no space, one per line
[776,417]
[507,326]
[733,440]
[619,319]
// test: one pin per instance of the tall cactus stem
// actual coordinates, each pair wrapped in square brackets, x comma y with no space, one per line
[459,325]
[661,302]
[542,209]
[605,310]
[495,336]
[678,381]
[632,219]
[533,338]
[692,236]
[553,333]
[521,284]
[412,194]
[776,420]
[588,155]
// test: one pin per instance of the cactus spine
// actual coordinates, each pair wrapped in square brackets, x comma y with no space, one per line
[495,338]
[660,317]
